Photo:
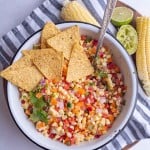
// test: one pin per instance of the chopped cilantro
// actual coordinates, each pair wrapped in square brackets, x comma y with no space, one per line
[69,105]
[102,74]
[92,83]
[38,112]
[38,115]
[38,103]
[88,39]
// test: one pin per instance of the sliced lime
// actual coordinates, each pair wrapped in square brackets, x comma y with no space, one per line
[121,16]
[127,36]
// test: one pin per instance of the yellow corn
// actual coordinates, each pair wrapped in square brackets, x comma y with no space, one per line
[73,11]
[143,52]
[147,46]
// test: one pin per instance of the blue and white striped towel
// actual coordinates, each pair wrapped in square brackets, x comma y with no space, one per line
[139,125]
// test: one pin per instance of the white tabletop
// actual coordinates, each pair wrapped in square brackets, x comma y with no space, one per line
[12,13]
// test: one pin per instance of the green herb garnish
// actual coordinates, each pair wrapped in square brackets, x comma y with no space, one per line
[103,74]
[38,113]
[88,39]
[38,103]
[92,83]
[69,105]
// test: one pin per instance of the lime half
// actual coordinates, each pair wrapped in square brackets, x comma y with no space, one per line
[127,36]
[121,16]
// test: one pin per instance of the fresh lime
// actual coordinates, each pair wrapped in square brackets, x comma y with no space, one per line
[127,36]
[121,16]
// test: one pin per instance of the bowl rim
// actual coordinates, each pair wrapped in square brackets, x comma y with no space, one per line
[5,84]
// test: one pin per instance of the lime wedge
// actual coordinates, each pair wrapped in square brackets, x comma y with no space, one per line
[121,16]
[127,36]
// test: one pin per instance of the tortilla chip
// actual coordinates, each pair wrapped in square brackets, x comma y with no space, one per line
[48,61]
[48,31]
[65,40]
[23,74]
[79,65]
[30,52]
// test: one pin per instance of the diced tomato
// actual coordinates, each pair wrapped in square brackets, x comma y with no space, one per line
[61,138]
[48,131]
[105,115]
[72,140]
[90,99]
[117,81]
[77,95]
[95,42]
[89,108]
[43,90]
[66,122]
[70,130]
[66,86]
[97,136]
[124,88]
[22,101]
[107,106]
[90,88]
[101,54]
[111,65]
[71,119]
[52,135]
[83,37]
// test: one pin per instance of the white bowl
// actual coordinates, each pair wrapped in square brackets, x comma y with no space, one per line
[121,58]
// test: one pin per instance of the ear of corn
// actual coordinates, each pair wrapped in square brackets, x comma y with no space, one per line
[147,46]
[73,11]
[143,52]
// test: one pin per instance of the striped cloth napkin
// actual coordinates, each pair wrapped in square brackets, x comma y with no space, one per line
[139,125]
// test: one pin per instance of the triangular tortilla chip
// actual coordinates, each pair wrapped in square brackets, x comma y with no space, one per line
[48,61]
[23,74]
[29,52]
[65,40]
[48,31]
[79,65]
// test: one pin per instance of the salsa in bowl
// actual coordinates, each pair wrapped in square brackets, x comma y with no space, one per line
[84,114]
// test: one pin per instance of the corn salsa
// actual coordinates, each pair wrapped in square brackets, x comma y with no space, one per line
[73,112]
